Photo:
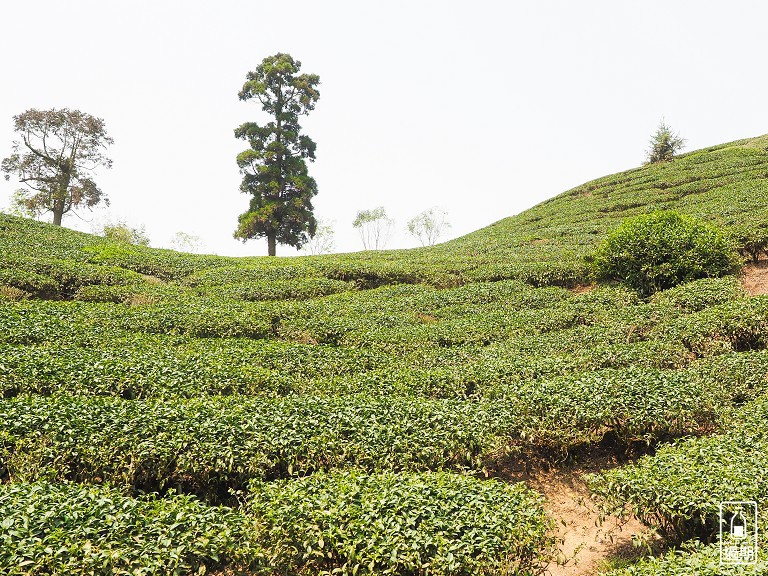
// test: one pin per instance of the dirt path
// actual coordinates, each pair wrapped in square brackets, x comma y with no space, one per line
[755,279]
[585,543]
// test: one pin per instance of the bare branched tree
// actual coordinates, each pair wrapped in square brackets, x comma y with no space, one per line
[375,228]
[186,242]
[323,240]
[429,225]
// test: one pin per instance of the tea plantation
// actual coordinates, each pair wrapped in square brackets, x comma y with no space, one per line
[169,413]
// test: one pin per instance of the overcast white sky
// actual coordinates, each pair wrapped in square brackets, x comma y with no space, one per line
[484,108]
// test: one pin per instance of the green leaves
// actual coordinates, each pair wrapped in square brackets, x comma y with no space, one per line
[55,159]
[678,490]
[660,250]
[351,388]
[346,522]
[274,168]
[97,530]
[354,523]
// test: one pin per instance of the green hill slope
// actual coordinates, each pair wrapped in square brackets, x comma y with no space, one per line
[415,373]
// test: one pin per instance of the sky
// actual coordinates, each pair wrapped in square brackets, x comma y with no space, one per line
[482,108]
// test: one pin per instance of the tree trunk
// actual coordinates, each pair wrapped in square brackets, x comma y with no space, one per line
[271,244]
[58,210]
[61,195]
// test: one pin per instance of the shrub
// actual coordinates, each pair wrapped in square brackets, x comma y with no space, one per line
[122,233]
[351,523]
[752,241]
[84,530]
[656,251]
[678,490]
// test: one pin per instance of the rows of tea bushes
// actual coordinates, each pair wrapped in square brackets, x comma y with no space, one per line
[155,366]
[352,523]
[88,530]
[60,279]
[414,317]
[738,325]
[210,445]
[146,366]
[691,558]
[457,343]
[346,523]
[342,394]
[723,184]
[544,245]
[678,491]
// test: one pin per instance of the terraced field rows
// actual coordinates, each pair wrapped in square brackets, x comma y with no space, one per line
[352,414]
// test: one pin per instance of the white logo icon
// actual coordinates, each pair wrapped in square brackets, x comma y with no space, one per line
[738,532]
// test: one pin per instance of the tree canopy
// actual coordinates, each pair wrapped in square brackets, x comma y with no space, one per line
[56,159]
[274,167]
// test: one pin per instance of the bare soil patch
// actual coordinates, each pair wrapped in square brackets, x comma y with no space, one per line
[585,543]
[755,278]
[582,288]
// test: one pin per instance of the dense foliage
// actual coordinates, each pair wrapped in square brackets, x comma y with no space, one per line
[274,166]
[660,250]
[55,159]
[443,524]
[95,530]
[678,491]
[348,522]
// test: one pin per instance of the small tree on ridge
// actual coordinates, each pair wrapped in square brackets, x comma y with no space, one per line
[429,225]
[664,144]
[374,227]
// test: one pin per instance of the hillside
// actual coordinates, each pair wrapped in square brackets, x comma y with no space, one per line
[376,412]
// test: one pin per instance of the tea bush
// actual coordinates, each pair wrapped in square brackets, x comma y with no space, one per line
[350,523]
[209,445]
[678,490]
[657,251]
[96,530]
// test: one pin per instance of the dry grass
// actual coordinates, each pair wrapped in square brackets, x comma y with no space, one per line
[13,293]
[142,299]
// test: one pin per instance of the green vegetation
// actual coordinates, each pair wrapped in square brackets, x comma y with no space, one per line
[84,530]
[664,145]
[55,159]
[274,166]
[364,400]
[678,491]
[402,524]
[120,232]
[658,251]
[692,558]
